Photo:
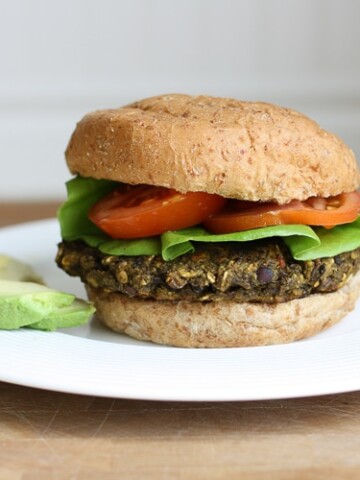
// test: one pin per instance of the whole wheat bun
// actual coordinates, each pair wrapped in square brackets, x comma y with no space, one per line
[223,324]
[244,150]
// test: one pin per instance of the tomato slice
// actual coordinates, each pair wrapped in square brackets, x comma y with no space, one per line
[143,211]
[326,212]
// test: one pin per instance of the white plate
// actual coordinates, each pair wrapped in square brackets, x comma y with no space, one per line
[92,360]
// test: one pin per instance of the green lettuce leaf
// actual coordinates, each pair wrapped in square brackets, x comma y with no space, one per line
[177,243]
[334,241]
[82,194]
[305,243]
[75,225]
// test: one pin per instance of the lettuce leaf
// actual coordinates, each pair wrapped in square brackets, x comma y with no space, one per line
[305,243]
[334,241]
[177,243]
[75,225]
[82,194]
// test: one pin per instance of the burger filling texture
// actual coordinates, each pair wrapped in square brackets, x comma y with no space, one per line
[266,260]
[261,271]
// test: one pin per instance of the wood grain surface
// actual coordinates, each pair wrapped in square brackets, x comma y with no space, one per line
[48,435]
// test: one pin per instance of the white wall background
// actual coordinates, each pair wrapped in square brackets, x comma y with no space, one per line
[61,59]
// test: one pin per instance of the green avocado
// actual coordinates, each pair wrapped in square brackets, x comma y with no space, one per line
[29,304]
[12,269]
[73,315]
[26,302]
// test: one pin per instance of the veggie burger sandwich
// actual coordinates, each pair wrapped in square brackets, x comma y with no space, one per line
[211,222]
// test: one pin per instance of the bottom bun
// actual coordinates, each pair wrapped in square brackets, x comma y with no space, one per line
[223,324]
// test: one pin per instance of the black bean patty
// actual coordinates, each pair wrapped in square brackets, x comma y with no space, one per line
[262,271]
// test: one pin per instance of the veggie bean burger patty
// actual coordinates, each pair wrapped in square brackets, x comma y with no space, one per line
[264,272]
[199,221]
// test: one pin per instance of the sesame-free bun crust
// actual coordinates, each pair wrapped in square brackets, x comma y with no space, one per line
[245,150]
[223,324]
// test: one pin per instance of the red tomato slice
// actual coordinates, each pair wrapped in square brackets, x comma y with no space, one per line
[143,211]
[326,212]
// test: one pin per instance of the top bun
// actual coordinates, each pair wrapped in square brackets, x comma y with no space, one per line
[245,150]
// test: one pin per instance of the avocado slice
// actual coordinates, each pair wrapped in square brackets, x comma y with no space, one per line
[33,305]
[12,269]
[73,315]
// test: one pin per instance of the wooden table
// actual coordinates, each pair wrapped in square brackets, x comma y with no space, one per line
[48,435]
